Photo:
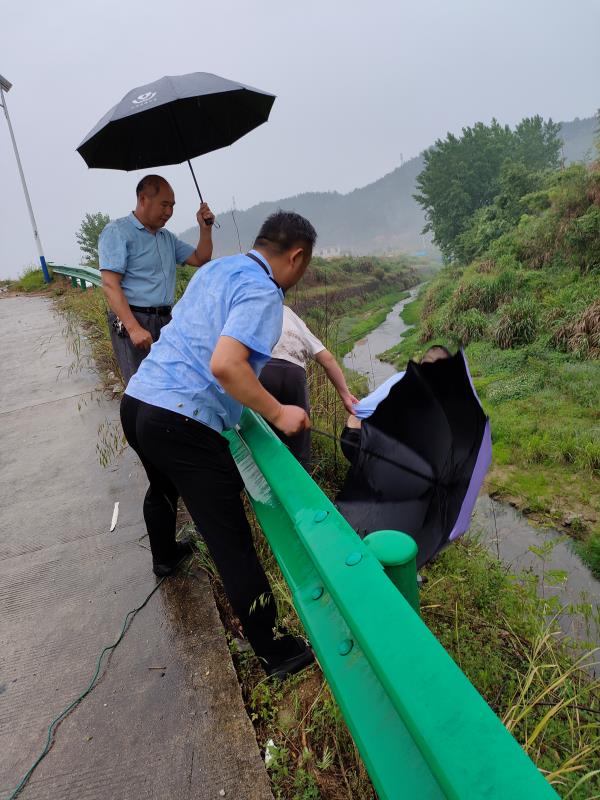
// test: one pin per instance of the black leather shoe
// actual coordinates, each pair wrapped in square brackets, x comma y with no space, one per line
[183,549]
[291,665]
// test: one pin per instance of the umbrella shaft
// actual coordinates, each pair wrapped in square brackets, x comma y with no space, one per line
[195,181]
[377,455]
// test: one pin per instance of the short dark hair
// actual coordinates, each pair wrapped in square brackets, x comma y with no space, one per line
[284,230]
[442,347]
[150,182]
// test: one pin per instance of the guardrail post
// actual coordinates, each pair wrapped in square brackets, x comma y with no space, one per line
[74,282]
[397,553]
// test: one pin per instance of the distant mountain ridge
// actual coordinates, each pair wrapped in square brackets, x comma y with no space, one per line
[379,218]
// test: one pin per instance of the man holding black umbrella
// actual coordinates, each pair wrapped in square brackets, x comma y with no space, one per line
[138,258]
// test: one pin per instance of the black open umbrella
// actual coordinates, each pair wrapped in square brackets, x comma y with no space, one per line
[173,120]
[422,457]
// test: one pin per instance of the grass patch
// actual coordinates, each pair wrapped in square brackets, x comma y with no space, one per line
[86,311]
[31,280]
[493,627]
[411,313]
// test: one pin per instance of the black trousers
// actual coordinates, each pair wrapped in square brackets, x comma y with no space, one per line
[184,458]
[129,357]
[287,382]
[350,443]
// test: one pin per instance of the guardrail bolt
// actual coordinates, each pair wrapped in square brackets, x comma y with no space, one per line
[320,516]
[316,593]
[345,646]
[353,559]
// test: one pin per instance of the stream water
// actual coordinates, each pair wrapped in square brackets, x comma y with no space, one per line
[504,531]
[363,356]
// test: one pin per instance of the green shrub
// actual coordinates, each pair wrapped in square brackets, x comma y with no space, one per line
[536,240]
[467,327]
[476,295]
[31,280]
[535,202]
[439,291]
[583,239]
[517,323]
[589,456]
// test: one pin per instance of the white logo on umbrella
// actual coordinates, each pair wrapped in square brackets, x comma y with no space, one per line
[141,99]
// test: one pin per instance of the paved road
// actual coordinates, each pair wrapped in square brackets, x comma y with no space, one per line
[66,583]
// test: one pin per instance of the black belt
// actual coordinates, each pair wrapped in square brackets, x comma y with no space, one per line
[161,311]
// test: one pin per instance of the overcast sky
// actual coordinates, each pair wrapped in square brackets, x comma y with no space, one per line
[357,83]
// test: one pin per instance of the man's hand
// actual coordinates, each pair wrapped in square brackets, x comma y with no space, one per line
[230,366]
[141,338]
[205,217]
[291,420]
[349,402]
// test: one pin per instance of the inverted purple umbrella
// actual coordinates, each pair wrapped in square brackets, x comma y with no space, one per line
[174,119]
[422,458]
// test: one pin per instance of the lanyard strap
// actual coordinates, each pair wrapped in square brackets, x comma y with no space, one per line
[262,266]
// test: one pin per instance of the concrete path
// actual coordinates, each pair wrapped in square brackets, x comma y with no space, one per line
[166,719]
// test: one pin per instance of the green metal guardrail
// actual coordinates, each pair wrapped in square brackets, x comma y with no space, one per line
[421,727]
[84,275]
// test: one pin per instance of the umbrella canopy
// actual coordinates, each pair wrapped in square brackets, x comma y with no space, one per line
[422,458]
[173,120]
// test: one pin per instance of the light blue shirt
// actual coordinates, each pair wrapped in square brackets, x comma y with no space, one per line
[146,260]
[365,407]
[230,296]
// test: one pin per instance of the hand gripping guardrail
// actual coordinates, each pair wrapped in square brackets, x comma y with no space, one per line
[421,727]
[84,275]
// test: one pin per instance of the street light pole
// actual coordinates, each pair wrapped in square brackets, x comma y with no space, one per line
[5,87]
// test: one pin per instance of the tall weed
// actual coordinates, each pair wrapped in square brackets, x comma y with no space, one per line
[517,323]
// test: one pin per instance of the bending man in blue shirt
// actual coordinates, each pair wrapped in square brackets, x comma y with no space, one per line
[193,385]
[138,258]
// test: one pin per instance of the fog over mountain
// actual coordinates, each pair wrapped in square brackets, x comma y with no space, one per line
[381,217]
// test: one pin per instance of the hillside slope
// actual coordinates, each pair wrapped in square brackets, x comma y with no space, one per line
[381,217]
[528,313]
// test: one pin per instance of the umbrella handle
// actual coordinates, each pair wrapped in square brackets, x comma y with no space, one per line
[206,221]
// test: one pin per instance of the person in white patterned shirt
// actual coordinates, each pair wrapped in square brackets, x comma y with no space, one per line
[284,376]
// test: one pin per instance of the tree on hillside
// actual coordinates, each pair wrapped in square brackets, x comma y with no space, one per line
[516,185]
[464,174]
[88,234]
[537,143]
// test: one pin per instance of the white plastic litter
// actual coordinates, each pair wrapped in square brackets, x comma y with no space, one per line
[254,481]
[270,750]
[115,517]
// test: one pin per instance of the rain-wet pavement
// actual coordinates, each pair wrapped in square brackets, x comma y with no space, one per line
[166,719]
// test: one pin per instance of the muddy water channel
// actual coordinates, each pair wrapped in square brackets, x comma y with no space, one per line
[562,578]
[363,357]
